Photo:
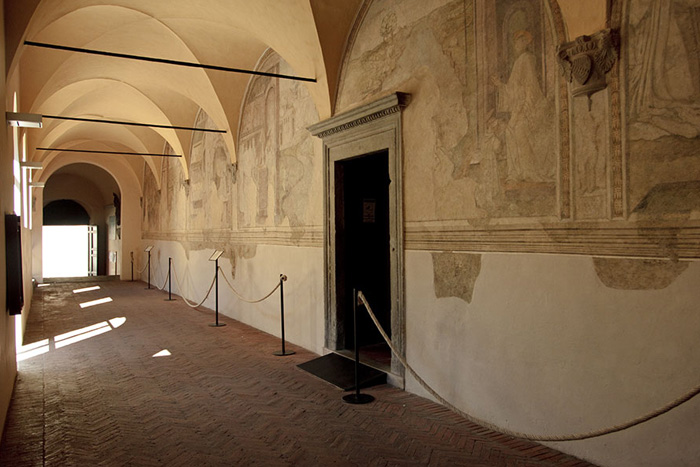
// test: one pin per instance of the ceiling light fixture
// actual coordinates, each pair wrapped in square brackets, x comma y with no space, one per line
[31,165]
[23,120]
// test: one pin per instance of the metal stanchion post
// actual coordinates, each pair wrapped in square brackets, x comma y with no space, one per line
[149,269]
[356,398]
[216,294]
[132,266]
[284,351]
[170,294]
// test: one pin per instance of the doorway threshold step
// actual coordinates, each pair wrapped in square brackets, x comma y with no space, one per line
[340,371]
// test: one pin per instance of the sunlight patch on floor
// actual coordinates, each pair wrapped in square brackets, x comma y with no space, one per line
[28,351]
[87,289]
[32,350]
[95,302]
[81,334]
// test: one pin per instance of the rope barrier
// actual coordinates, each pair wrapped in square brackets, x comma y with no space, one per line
[143,269]
[571,437]
[180,289]
[284,278]
[165,282]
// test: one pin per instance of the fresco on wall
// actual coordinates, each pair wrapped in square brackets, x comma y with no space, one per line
[276,163]
[591,140]
[276,182]
[663,96]
[419,48]
[202,203]
[517,117]
[171,198]
[480,133]
[664,89]
[211,179]
[175,193]
[151,220]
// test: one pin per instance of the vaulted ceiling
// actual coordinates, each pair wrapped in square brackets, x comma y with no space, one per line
[310,35]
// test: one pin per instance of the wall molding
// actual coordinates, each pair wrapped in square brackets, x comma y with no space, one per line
[360,116]
[298,237]
[652,240]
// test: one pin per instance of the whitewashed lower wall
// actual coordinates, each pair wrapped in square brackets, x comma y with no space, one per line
[545,348]
[254,278]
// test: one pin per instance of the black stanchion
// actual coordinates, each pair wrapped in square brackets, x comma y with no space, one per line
[132,266]
[170,293]
[216,289]
[284,352]
[356,398]
[149,269]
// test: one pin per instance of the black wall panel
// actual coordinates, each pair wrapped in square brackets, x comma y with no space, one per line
[13,266]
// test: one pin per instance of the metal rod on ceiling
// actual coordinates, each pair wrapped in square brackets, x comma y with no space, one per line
[166,61]
[116,122]
[121,153]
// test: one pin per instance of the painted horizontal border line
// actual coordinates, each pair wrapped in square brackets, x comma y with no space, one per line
[662,242]
[639,242]
[295,238]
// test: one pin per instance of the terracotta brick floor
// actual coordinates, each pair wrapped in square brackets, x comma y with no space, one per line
[221,398]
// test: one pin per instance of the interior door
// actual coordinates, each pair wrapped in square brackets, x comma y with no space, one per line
[362,244]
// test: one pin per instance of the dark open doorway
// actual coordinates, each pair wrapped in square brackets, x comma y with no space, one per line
[363,249]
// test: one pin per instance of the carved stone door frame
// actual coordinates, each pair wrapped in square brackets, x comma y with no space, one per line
[367,129]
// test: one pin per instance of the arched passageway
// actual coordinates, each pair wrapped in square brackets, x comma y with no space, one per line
[82,208]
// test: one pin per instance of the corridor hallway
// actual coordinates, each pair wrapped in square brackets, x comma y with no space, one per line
[99,395]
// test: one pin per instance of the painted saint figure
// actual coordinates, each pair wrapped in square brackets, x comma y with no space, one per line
[522,99]
[664,68]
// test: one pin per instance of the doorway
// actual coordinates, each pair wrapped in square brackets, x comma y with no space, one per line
[362,253]
[67,250]
[364,228]
[69,242]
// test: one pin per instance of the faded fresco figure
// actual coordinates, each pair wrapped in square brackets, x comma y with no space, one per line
[522,99]
[664,68]
[276,152]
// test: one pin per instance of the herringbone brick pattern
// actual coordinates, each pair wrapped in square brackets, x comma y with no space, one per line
[221,398]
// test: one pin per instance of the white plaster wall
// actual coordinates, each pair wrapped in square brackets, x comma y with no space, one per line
[27,276]
[546,349]
[8,363]
[255,278]
[37,238]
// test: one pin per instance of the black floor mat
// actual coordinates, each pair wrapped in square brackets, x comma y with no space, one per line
[340,371]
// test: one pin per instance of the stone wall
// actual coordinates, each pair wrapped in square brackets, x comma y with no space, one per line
[550,283]
[263,212]
[590,323]
[8,364]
